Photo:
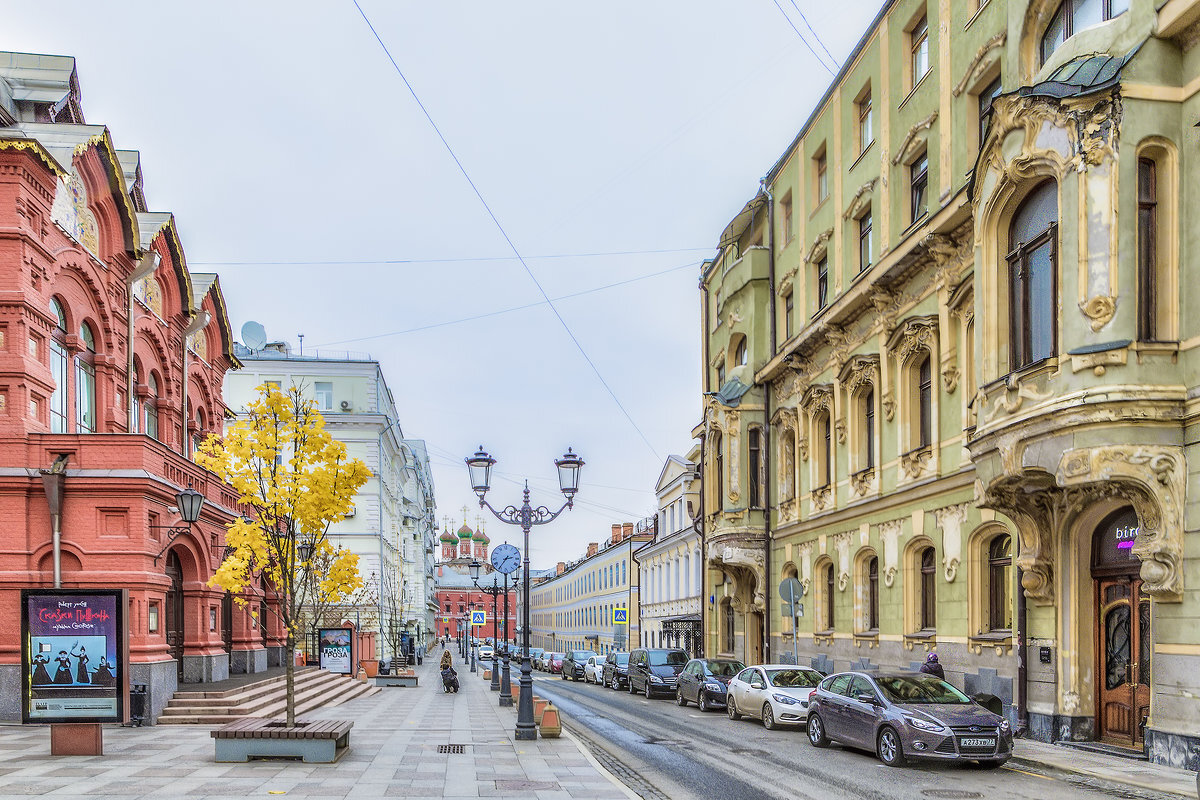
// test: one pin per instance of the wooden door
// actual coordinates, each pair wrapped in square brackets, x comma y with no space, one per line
[174,627]
[1123,659]
[227,623]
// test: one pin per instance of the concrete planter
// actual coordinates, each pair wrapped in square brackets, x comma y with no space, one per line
[316,742]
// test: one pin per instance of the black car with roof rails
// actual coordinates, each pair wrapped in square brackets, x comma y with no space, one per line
[655,670]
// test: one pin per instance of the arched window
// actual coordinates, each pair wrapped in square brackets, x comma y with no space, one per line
[824,451]
[924,373]
[754,467]
[687,574]
[85,382]
[828,583]
[999,583]
[871,609]
[867,444]
[741,353]
[928,560]
[1072,16]
[58,369]
[1032,266]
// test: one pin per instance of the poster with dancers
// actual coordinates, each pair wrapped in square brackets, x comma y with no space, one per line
[74,654]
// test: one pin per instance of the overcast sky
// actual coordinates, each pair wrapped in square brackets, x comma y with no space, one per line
[613,142]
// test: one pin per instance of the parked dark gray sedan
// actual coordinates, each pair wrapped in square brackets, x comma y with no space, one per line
[705,681]
[903,715]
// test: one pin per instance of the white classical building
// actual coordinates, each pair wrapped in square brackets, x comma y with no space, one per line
[671,565]
[392,524]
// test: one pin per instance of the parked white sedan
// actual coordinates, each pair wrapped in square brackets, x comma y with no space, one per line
[775,693]
[593,670]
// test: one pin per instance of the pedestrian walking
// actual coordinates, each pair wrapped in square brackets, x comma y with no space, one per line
[933,667]
[446,660]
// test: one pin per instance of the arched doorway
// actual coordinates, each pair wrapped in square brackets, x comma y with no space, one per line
[1122,632]
[174,626]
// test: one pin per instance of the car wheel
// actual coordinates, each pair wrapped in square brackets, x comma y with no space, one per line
[701,701]
[731,709]
[629,684]
[768,717]
[888,748]
[816,731]
[646,690]
[679,698]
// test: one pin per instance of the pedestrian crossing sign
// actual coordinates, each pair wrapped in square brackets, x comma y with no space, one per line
[479,618]
[620,615]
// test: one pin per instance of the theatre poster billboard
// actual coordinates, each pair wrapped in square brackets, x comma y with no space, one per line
[336,651]
[74,654]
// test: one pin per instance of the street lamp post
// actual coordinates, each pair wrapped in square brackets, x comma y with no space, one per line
[471,629]
[480,467]
[505,686]
[494,591]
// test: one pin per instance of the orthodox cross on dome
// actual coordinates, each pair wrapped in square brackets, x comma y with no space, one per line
[466,510]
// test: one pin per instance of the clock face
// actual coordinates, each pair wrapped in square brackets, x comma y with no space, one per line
[506,559]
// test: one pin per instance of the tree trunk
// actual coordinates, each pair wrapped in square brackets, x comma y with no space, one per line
[291,679]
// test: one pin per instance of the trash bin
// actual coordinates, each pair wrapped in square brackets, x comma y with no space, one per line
[137,704]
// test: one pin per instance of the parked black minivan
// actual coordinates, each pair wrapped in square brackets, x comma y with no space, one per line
[616,667]
[655,670]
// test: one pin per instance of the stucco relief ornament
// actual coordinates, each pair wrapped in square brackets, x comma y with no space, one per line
[950,378]
[950,520]
[889,405]
[802,447]
[1099,310]
[804,553]
[889,534]
[820,497]
[840,429]
[841,544]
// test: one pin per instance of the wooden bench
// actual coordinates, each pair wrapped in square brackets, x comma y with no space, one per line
[313,741]
[406,678]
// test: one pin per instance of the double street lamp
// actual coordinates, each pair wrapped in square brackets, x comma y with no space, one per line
[480,468]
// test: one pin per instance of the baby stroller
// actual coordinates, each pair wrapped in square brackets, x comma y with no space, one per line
[449,680]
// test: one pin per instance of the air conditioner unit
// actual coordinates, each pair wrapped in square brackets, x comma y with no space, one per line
[351,512]
[347,405]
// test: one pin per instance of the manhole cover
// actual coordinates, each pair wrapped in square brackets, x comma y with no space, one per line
[528,786]
[950,794]
[452,748]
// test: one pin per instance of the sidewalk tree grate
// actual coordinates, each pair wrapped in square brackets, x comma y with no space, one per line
[950,794]
[527,786]
[452,748]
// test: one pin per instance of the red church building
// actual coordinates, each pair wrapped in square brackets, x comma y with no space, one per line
[456,593]
[112,356]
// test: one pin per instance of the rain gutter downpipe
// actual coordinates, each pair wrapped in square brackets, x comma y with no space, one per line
[772,326]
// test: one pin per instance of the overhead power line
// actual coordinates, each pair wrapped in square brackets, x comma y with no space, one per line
[817,36]
[816,55]
[504,233]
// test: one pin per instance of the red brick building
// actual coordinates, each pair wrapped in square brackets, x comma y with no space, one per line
[455,592]
[112,356]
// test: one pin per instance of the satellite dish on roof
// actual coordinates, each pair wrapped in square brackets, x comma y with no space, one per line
[254,335]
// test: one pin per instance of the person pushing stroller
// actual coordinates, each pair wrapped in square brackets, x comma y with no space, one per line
[449,676]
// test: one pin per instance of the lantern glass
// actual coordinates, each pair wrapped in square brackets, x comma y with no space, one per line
[304,551]
[568,473]
[189,502]
[480,467]
[475,569]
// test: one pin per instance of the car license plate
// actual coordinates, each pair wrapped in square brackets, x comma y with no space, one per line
[978,742]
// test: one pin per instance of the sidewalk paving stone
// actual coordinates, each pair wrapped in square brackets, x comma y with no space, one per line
[393,753]
[1114,769]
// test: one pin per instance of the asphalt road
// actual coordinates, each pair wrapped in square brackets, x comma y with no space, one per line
[664,751]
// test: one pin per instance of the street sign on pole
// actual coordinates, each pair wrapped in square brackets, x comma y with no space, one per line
[620,615]
[479,618]
[791,590]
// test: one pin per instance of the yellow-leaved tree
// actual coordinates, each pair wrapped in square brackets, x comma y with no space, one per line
[298,479]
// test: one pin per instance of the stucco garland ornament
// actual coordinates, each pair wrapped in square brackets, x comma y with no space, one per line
[889,534]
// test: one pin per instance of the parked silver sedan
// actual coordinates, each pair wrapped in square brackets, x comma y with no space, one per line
[775,693]
[903,715]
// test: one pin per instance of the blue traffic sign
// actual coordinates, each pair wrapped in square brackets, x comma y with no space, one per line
[479,618]
[620,615]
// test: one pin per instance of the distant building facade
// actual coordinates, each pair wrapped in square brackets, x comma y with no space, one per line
[671,565]
[580,606]
[391,526]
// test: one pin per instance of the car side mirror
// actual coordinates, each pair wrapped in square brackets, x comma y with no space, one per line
[757,685]
[869,699]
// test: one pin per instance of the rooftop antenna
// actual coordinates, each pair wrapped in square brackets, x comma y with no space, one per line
[301,337]
[254,335]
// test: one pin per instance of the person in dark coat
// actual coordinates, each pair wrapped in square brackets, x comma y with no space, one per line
[40,675]
[103,675]
[933,667]
[81,672]
[63,673]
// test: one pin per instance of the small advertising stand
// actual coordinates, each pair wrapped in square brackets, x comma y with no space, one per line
[335,648]
[75,660]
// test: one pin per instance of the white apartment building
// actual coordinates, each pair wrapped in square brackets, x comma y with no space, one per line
[672,567]
[392,524]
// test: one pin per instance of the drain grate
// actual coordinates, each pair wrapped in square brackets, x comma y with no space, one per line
[950,794]
[452,748]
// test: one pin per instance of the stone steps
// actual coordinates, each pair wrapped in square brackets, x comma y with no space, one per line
[314,688]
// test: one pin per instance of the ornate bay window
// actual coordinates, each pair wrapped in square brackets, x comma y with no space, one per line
[1033,278]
